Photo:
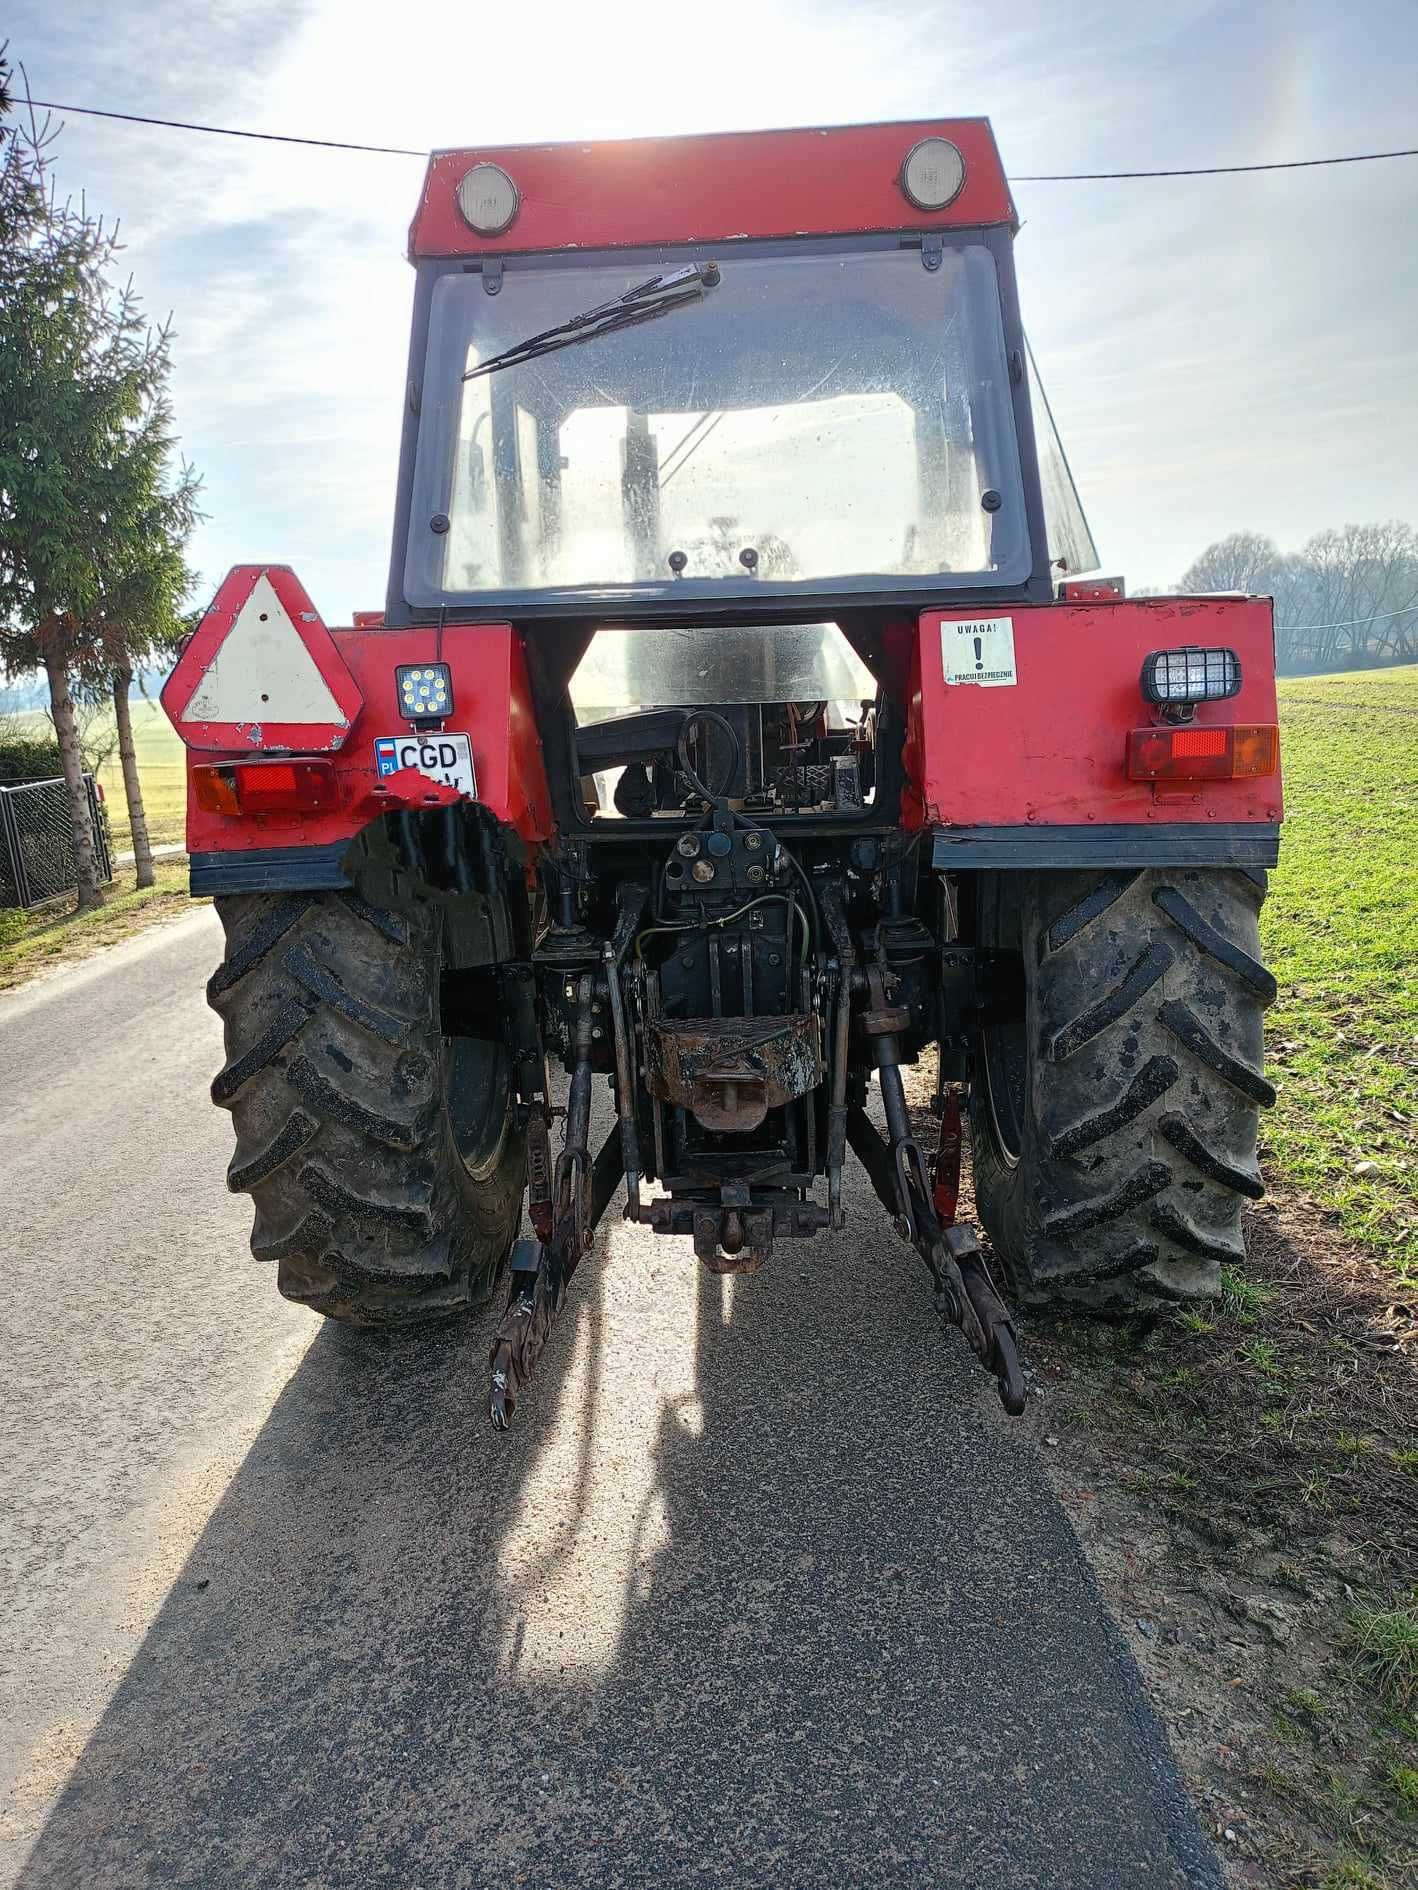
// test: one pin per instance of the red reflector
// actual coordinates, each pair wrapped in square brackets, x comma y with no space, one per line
[1203,754]
[1190,742]
[266,787]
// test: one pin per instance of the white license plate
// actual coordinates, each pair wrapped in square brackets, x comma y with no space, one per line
[447,759]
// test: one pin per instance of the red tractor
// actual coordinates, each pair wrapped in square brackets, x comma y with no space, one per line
[741,725]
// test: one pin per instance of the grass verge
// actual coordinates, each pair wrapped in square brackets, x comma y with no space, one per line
[1339,931]
[1245,1480]
[1245,1476]
[55,934]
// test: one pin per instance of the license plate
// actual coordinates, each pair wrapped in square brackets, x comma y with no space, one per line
[447,759]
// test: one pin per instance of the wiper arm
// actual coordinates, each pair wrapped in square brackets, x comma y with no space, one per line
[640,304]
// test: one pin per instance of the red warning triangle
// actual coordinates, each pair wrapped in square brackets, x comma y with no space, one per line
[262,671]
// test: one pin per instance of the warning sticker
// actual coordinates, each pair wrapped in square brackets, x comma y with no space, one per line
[980,652]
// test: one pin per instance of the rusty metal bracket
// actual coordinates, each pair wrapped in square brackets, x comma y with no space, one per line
[730,1071]
[735,1234]
[945,1194]
[539,1195]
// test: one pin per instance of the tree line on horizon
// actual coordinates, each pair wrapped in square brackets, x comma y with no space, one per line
[1347,599]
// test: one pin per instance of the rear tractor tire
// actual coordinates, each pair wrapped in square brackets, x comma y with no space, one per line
[379,1153]
[1114,1121]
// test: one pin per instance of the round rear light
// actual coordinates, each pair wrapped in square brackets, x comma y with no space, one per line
[488,199]
[932,174]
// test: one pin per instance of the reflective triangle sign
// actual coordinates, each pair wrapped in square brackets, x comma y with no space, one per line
[262,671]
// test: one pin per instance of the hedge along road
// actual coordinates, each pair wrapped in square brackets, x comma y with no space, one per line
[761,1589]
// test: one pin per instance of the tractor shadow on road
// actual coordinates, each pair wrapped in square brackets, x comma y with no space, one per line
[759,1590]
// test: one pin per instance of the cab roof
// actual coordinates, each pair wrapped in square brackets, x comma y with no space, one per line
[716,188]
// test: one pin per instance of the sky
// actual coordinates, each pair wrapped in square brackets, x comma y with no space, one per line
[1220,353]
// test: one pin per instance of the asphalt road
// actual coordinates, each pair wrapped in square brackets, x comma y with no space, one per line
[762,1589]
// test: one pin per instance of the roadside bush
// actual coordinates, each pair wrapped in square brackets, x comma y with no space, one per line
[27,758]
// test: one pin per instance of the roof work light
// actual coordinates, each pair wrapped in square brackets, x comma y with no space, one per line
[488,199]
[932,174]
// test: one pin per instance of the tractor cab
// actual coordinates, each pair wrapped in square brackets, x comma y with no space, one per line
[728,454]
[836,410]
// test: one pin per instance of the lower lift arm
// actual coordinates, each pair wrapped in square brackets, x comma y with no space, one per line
[565,1212]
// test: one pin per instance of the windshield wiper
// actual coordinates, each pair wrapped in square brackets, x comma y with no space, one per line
[640,304]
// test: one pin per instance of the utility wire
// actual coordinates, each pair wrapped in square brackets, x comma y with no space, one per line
[1210,170]
[1050,177]
[1352,623]
[228,131]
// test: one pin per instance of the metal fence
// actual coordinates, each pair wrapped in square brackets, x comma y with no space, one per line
[37,841]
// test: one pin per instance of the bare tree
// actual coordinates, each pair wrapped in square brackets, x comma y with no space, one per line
[1386,556]
[1246,561]
[1347,599]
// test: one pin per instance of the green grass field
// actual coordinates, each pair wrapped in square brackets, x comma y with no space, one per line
[162,770]
[1341,935]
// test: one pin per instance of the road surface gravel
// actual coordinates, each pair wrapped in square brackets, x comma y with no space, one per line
[761,1589]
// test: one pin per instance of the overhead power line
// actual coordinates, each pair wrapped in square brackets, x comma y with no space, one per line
[1352,623]
[228,131]
[1047,177]
[1210,170]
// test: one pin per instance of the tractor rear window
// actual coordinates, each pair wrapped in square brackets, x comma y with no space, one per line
[819,416]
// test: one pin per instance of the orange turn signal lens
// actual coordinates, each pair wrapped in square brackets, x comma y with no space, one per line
[1203,754]
[266,787]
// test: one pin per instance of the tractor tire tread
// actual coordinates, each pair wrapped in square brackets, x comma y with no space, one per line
[1180,1134]
[1188,1029]
[1139,1107]
[297,1131]
[1151,965]
[1109,889]
[1207,939]
[330,1008]
[1154,1079]
[322,985]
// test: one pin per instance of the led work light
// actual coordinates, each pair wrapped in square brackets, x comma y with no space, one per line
[425,691]
[932,174]
[1179,679]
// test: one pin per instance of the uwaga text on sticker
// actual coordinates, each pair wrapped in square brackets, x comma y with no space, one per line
[979,651]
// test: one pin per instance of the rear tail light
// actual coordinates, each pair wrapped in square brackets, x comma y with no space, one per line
[266,787]
[1193,753]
